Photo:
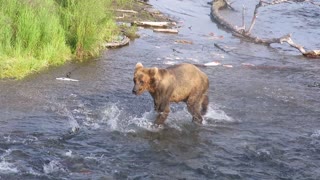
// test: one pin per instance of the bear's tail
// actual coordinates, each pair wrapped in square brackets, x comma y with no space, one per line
[204,105]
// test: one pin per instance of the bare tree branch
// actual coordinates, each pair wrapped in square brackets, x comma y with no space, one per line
[255,14]
[246,34]
[310,54]
[291,43]
[243,13]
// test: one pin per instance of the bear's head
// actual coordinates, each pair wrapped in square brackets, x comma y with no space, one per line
[145,79]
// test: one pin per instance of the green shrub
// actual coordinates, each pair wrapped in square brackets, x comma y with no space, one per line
[31,37]
[87,24]
[35,34]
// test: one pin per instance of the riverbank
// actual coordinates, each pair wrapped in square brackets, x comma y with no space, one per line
[36,35]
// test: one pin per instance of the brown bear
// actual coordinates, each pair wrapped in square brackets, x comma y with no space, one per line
[181,82]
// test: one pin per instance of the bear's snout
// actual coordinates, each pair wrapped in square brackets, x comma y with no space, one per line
[135,90]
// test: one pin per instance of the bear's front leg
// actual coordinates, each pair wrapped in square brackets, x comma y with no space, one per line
[156,106]
[163,113]
[162,103]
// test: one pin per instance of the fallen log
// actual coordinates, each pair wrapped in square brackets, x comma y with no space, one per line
[126,11]
[173,31]
[246,34]
[151,24]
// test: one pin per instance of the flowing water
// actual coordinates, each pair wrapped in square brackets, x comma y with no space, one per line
[263,120]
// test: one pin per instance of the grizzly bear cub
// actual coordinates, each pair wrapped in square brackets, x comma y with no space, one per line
[182,82]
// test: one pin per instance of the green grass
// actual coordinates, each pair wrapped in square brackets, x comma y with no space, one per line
[124,3]
[36,34]
[87,24]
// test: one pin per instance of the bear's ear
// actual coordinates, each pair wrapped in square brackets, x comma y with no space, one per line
[139,65]
[153,71]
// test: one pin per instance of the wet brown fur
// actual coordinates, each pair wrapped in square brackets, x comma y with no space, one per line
[182,82]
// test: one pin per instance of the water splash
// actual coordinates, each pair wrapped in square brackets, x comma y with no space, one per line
[53,166]
[74,125]
[315,134]
[119,120]
[7,167]
[69,153]
[215,115]
[146,122]
[111,115]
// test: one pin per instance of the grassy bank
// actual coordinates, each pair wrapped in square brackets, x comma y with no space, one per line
[35,34]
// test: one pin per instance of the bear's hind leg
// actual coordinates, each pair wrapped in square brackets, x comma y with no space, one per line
[194,106]
[204,104]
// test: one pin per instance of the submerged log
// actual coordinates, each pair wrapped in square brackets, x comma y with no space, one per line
[246,34]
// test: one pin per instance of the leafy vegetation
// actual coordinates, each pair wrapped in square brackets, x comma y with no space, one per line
[35,34]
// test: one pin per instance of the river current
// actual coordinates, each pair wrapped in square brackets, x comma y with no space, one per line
[263,120]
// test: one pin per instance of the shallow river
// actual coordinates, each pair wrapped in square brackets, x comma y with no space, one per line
[263,120]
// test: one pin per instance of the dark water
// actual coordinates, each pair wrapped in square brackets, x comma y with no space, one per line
[263,120]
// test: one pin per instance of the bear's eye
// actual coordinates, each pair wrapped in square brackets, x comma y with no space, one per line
[141,82]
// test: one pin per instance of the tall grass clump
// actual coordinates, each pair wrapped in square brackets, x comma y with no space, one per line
[123,3]
[87,24]
[35,34]
[31,37]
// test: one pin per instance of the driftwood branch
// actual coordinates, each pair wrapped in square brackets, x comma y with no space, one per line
[246,34]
